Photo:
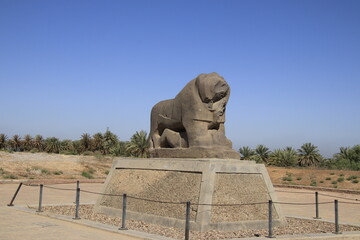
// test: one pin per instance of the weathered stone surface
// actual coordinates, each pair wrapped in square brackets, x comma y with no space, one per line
[194,120]
[195,152]
[203,182]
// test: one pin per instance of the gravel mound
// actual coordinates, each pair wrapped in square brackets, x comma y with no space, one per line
[295,225]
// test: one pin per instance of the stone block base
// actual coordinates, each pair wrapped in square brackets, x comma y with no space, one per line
[194,152]
[201,181]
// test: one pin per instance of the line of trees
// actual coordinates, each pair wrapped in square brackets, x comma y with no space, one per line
[306,156]
[106,143]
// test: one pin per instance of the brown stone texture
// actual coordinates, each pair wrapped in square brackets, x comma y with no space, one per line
[154,185]
[195,152]
[240,188]
[193,119]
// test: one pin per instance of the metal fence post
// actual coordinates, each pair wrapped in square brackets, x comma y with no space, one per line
[270,220]
[17,191]
[77,186]
[317,206]
[337,217]
[187,221]
[77,203]
[40,198]
[123,218]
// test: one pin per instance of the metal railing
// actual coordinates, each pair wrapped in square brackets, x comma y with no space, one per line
[188,205]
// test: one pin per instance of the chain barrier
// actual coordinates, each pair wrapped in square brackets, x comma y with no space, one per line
[294,192]
[56,188]
[156,201]
[286,203]
[103,194]
[327,195]
[188,204]
[203,204]
[349,203]
[227,205]
[322,194]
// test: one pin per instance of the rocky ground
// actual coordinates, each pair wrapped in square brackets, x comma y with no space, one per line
[295,226]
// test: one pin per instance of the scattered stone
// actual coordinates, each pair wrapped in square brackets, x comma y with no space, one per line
[295,225]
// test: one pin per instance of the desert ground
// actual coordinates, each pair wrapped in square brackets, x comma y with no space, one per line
[62,168]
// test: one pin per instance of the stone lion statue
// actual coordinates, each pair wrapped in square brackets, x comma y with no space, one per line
[194,118]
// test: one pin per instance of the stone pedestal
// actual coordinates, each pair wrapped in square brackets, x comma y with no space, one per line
[201,181]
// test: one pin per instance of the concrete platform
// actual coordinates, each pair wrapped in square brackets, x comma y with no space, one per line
[203,182]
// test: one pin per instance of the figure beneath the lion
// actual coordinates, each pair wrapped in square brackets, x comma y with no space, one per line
[194,118]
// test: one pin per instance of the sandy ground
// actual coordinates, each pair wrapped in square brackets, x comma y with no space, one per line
[56,166]
[65,195]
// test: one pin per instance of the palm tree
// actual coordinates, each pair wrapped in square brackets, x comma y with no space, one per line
[67,145]
[97,142]
[246,152]
[109,141]
[138,145]
[263,152]
[309,155]
[15,142]
[283,157]
[27,143]
[3,139]
[120,149]
[53,145]
[39,142]
[85,142]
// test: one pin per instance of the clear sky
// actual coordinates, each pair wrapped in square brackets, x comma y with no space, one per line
[74,67]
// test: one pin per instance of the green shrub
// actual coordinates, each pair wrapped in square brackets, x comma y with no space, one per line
[9,150]
[92,171]
[321,181]
[10,176]
[66,152]
[313,183]
[58,172]
[34,150]
[334,182]
[45,171]
[341,175]
[351,178]
[298,178]
[289,179]
[107,172]
[340,179]
[87,175]
[88,153]
[335,186]
[2,171]
[332,173]
[328,178]
[355,181]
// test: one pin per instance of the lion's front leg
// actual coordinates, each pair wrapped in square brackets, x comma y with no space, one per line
[198,134]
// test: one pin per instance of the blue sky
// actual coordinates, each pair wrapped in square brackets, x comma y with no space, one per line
[73,67]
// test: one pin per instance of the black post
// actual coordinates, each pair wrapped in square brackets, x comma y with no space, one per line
[317,205]
[123,218]
[336,218]
[40,198]
[77,186]
[187,221]
[17,191]
[270,220]
[77,203]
